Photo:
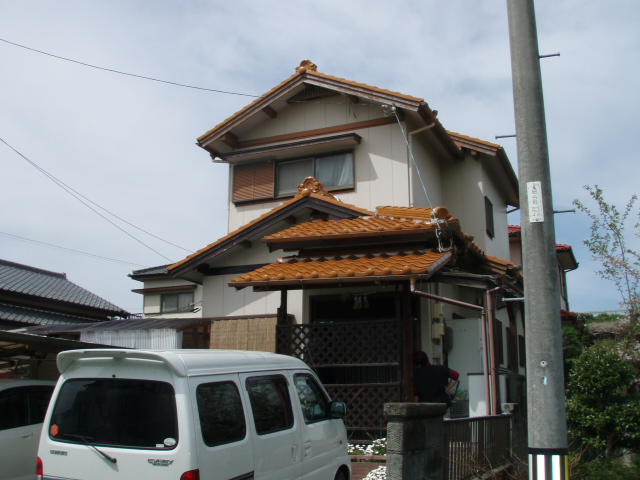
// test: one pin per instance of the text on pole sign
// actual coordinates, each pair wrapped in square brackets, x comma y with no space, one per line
[534,198]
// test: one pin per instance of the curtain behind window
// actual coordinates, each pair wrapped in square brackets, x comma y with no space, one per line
[335,170]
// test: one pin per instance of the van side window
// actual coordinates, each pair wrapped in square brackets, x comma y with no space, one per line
[22,406]
[221,414]
[314,403]
[270,403]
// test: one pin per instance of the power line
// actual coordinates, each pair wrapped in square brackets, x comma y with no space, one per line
[77,196]
[16,237]
[177,84]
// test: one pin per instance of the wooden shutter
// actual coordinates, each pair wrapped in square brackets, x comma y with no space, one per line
[254,181]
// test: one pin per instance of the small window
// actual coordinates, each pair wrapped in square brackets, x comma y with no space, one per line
[315,405]
[488,212]
[177,302]
[333,171]
[499,346]
[221,414]
[270,403]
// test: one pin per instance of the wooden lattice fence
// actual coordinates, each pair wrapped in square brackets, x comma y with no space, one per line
[363,359]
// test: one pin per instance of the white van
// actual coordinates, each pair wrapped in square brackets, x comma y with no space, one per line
[190,415]
[23,404]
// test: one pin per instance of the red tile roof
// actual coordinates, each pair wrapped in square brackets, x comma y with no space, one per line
[347,267]
[515,230]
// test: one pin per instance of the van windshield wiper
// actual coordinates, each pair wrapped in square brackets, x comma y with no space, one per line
[87,442]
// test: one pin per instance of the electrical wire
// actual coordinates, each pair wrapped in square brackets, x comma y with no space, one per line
[16,237]
[387,110]
[77,196]
[226,92]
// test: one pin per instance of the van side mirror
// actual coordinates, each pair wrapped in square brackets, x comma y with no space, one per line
[338,409]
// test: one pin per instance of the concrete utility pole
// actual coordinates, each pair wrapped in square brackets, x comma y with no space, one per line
[545,377]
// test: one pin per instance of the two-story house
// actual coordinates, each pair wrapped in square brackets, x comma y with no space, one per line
[340,249]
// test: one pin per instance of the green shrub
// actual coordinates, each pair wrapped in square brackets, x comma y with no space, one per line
[602,411]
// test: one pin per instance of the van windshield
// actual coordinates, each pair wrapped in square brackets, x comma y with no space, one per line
[116,412]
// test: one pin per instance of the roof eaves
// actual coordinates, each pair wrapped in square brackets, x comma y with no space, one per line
[252,228]
[337,84]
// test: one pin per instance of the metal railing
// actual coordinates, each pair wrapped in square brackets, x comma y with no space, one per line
[474,446]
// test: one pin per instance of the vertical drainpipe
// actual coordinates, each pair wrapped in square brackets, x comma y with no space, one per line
[495,386]
[485,362]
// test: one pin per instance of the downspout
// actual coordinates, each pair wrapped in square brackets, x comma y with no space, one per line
[409,160]
[483,315]
[495,400]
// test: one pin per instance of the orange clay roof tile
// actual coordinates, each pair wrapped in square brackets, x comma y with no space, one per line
[458,137]
[362,225]
[386,219]
[263,217]
[369,265]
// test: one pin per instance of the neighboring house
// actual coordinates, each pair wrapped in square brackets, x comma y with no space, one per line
[336,233]
[32,296]
[566,263]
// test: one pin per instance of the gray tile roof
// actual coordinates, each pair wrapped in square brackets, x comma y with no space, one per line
[18,278]
[151,271]
[34,316]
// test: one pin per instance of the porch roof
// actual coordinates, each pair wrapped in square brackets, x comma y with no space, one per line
[311,195]
[367,268]
[387,220]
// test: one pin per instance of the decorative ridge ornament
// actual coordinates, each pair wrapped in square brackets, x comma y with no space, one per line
[310,185]
[306,66]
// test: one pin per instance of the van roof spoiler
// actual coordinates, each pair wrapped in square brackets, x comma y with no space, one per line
[174,362]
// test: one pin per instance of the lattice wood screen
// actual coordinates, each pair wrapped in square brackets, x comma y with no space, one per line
[365,404]
[356,343]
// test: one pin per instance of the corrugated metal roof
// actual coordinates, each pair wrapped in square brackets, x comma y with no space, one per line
[139,324]
[18,278]
[34,316]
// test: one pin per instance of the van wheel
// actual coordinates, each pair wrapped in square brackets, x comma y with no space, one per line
[341,476]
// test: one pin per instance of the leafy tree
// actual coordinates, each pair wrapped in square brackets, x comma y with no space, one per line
[611,246]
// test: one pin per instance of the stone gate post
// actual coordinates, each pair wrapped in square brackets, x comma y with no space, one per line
[415,440]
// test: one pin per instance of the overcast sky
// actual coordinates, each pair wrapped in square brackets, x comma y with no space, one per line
[128,144]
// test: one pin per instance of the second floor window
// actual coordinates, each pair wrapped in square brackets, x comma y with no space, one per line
[268,180]
[177,302]
[333,171]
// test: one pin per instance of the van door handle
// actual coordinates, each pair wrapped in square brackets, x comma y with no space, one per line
[27,435]
[307,449]
[294,454]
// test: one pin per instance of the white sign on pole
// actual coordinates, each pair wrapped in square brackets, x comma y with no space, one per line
[534,197]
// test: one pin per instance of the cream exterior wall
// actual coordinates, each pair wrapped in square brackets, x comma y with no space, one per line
[380,161]
[152,303]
